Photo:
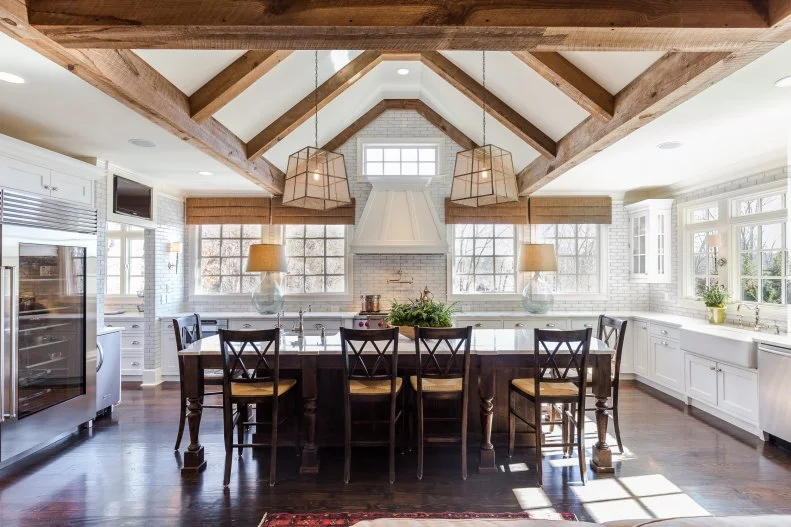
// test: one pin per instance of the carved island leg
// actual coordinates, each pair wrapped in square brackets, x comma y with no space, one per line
[310,456]
[193,384]
[602,386]
[486,388]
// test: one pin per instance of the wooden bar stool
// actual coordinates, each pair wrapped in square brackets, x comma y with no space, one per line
[251,375]
[370,376]
[612,331]
[442,373]
[561,359]
[188,330]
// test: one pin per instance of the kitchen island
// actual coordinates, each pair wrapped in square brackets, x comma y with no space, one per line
[498,355]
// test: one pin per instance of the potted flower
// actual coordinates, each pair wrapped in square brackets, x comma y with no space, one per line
[715,296]
[425,312]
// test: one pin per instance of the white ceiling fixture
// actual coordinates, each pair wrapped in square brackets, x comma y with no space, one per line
[143,143]
[670,145]
[205,173]
[784,82]
[403,71]
[10,77]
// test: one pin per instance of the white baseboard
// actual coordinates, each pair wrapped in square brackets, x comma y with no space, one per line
[664,389]
[735,421]
[152,377]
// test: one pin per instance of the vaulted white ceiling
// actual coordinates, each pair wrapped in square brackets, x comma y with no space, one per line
[59,111]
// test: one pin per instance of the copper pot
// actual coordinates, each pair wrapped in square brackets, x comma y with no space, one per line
[370,303]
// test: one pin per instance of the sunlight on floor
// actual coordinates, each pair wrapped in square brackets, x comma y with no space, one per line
[636,497]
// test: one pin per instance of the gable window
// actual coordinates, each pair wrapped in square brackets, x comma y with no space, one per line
[125,260]
[484,258]
[315,254]
[406,159]
[578,253]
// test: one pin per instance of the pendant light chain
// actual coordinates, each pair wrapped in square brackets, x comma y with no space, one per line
[316,98]
[484,96]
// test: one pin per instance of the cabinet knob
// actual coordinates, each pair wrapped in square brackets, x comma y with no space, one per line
[664,332]
[46,187]
[247,325]
[478,325]
[109,325]
[712,368]
[519,325]
[719,370]
[135,363]
[54,189]
[550,325]
[137,326]
[588,325]
[170,326]
[664,343]
[645,327]
[135,342]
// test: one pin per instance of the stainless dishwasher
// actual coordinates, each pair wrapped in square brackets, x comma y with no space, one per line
[774,395]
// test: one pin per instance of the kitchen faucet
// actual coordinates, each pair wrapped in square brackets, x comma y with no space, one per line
[757,326]
[299,327]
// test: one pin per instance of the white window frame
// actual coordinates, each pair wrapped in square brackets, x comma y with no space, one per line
[727,225]
[603,253]
[270,234]
[482,297]
[401,142]
[124,237]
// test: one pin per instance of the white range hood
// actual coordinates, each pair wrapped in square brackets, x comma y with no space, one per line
[399,218]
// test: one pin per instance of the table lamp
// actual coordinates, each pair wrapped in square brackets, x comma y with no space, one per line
[269,259]
[538,296]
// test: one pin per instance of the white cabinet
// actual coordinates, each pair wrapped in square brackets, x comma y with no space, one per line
[479,323]
[649,240]
[34,179]
[666,364]
[640,356]
[308,323]
[537,324]
[132,345]
[585,323]
[730,389]
[170,357]
[701,381]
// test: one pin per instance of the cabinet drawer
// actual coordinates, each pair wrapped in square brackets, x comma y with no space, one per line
[131,363]
[537,324]
[259,324]
[132,342]
[129,327]
[490,323]
[664,332]
[584,323]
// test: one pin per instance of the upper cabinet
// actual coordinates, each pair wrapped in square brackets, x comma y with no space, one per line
[34,170]
[649,240]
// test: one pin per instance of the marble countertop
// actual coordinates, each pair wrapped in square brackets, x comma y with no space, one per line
[106,330]
[484,342]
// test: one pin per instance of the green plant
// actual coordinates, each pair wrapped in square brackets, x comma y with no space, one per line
[424,313]
[715,295]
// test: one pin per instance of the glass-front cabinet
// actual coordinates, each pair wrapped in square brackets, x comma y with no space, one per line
[649,240]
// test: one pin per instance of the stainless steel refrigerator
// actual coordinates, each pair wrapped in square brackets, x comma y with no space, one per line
[48,317]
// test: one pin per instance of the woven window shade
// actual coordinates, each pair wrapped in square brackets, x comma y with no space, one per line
[285,215]
[216,211]
[577,209]
[508,213]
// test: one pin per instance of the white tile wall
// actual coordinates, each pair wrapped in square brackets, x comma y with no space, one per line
[100,198]
[665,297]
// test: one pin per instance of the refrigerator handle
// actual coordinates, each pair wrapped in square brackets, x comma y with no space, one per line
[101,356]
[8,352]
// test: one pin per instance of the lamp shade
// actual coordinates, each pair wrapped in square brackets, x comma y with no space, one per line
[264,257]
[174,247]
[316,179]
[484,176]
[714,240]
[537,257]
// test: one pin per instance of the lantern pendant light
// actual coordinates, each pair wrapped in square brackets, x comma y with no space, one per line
[484,175]
[316,178]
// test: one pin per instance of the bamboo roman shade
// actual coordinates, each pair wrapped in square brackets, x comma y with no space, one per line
[570,209]
[508,213]
[262,211]
[216,211]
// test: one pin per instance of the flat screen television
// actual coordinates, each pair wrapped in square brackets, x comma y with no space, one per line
[131,198]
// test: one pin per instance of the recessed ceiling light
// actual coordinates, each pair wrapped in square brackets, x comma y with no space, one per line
[403,71]
[785,82]
[10,77]
[205,173]
[670,145]
[143,143]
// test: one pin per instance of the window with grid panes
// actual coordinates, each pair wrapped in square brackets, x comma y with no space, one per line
[577,250]
[763,263]
[223,256]
[484,259]
[125,260]
[316,258]
[704,267]
[400,160]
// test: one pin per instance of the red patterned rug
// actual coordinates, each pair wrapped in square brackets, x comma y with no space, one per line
[347,519]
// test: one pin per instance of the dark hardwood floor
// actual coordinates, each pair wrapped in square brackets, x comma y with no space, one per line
[124,472]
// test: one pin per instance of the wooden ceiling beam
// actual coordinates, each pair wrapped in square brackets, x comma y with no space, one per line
[233,80]
[572,81]
[779,11]
[304,109]
[415,105]
[495,107]
[419,25]
[131,81]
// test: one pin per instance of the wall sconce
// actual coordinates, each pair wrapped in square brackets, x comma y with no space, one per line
[714,242]
[174,248]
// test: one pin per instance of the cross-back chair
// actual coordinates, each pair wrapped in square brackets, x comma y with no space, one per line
[188,330]
[251,376]
[560,375]
[370,378]
[442,373]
